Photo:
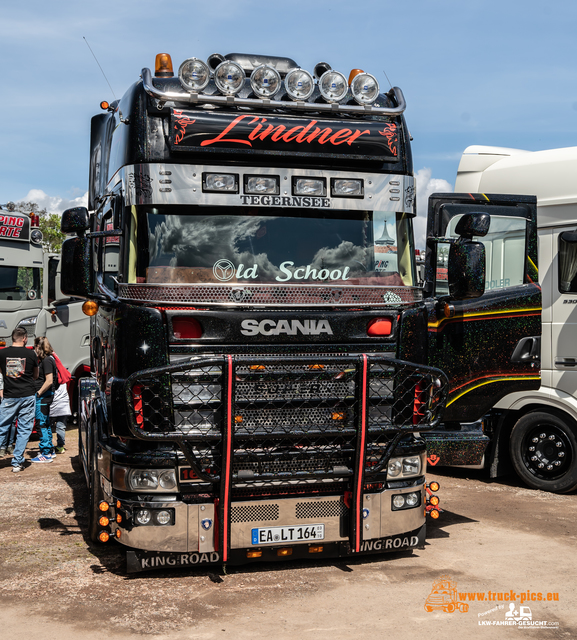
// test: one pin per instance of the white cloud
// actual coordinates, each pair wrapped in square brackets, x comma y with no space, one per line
[425,187]
[54,204]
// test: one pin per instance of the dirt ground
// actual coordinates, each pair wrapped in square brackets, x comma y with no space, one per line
[493,539]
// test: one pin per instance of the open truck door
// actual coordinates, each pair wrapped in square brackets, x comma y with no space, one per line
[489,346]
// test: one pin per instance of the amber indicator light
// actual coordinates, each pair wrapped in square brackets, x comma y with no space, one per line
[163,66]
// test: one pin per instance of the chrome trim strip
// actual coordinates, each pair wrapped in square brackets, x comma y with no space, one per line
[233,101]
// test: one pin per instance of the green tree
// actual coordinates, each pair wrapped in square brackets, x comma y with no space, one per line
[52,237]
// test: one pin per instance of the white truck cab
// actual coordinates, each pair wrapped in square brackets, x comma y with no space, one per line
[542,423]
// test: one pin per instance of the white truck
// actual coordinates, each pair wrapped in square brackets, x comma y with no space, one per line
[30,294]
[540,427]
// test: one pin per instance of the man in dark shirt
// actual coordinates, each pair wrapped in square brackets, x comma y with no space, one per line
[19,367]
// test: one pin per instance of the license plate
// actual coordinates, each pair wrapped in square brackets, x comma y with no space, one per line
[282,535]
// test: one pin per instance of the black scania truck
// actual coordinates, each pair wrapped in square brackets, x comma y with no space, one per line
[260,350]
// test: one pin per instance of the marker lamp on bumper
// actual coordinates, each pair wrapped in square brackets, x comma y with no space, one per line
[404,467]
[144,480]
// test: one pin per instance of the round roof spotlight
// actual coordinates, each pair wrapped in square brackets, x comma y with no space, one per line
[265,81]
[194,74]
[299,84]
[333,86]
[365,88]
[229,77]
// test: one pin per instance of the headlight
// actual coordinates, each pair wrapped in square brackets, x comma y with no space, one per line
[299,84]
[144,480]
[404,467]
[265,81]
[333,86]
[27,322]
[365,88]
[394,468]
[229,77]
[194,74]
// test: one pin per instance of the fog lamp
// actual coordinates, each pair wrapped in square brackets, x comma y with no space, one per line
[163,517]
[333,86]
[399,501]
[346,188]
[365,88]
[262,185]
[265,81]
[194,74]
[229,77]
[299,84]
[308,187]
[220,182]
[142,516]
[411,499]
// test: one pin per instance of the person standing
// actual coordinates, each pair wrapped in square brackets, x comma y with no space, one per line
[19,368]
[59,414]
[44,396]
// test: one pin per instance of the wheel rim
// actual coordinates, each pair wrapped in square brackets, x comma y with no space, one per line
[547,452]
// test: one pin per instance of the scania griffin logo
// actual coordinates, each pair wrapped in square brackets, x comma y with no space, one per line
[224,270]
[267,327]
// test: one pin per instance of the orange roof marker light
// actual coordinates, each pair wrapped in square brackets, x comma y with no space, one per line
[163,66]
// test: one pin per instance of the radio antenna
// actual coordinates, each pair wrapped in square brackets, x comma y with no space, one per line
[101,69]
[386,76]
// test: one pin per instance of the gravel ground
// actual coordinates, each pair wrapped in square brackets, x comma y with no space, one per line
[54,583]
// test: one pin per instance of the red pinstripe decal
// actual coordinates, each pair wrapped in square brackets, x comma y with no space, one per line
[226,505]
[361,458]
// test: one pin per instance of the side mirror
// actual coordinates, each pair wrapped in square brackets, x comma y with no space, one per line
[473,224]
[75,220]
[466,270]
[76,275]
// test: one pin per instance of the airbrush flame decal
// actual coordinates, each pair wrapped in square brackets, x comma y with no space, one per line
[390,133]
[180,123]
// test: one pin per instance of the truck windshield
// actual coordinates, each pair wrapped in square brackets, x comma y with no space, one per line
[19,283]
[270,246]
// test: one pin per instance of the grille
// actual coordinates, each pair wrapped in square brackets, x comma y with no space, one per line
[329,509]
[255,513]
[269,295]
[292,419]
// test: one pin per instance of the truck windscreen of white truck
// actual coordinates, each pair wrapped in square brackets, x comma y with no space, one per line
[19,283]
[270,246]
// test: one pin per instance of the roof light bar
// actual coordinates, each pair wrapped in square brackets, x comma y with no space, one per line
[299,84]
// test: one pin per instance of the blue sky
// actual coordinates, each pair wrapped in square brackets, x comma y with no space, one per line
[473,72]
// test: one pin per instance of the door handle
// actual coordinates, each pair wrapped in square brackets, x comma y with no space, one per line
[566,362]
[527,350]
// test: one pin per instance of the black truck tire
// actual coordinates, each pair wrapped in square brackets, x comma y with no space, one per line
[543,449]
